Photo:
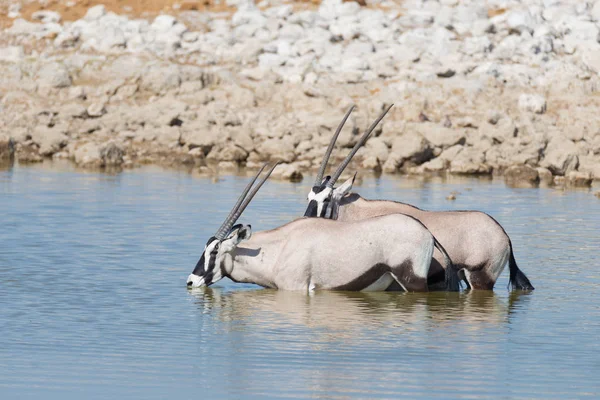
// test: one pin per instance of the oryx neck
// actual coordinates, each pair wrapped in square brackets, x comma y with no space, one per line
[255,260]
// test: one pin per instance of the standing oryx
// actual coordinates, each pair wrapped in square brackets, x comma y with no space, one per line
[476,242]
[314,253]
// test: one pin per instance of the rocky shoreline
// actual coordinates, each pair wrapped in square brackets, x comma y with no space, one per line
[496,87]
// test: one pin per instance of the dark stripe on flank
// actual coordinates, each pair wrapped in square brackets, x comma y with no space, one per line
[367,278]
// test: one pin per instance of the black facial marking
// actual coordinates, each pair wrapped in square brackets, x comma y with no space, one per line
[318,189]
[311,210]
[199,269]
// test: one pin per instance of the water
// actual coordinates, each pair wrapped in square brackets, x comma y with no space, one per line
[93,301]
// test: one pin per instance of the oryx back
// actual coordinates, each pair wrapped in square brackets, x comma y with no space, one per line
[361,255]
[477,244]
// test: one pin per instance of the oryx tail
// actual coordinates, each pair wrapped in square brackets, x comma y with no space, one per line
[517,279]
[451,278]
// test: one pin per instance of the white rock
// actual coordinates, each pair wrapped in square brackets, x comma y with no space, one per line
[477,45]
[520,21]
[23,27]
[268,60]
[592,60]
[96,109]
[66,39]
[95,13]
[88,154]
[50,140]
[12,54]
[560,156]
[46,16]
[532,103]
[163,23]
[595,11]
[255,74]
[54,75]
[346,27]
[450,3]
[440,136]
[14,10]
[280,12]
[160,79]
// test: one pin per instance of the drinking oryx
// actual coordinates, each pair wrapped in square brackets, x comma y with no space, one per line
[313,253]
[477,244]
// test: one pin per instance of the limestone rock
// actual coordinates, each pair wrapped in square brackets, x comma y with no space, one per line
[13,54]
[544,174]
[96,109]
[290,172]
[411,148]
[532,103]
[54,75]
[88,154]
[560,156]
[591,164]
[160,79]
[95,13]
[469,161]
[202,135]
[277,149]
[521,175]
[376,147]
[7,148]
[440,136]
[371,163]
[50,140]
[579,178]
[46,16]
[111,154]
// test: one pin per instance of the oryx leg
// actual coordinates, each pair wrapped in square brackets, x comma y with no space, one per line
[410,278]
[484,276]
[478,280]
[436,278]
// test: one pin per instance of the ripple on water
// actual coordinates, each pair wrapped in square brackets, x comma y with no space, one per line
[93,300]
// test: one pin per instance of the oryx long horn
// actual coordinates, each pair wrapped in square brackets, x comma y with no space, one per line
[226,224]
[248,198]
[357,146]
[319,178]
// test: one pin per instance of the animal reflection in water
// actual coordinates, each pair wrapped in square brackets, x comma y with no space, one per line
[319,254]
[349,313]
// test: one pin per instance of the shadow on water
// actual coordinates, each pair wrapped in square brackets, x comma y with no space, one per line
[354,311]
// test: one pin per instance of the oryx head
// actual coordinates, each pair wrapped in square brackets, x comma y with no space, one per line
[323,199]
[209,268]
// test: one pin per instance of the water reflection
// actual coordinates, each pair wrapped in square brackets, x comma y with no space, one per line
[352,312]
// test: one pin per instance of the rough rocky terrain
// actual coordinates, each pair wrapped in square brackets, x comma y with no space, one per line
[479,87]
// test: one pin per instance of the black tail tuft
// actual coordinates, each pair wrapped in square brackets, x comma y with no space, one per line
[451,278]
[517,279]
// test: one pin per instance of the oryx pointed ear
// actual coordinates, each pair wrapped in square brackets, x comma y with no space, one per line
[238,233]
[344,188]
[244,233]
[325,180]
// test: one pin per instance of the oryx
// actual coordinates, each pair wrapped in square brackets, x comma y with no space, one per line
[313,253]
[476,242]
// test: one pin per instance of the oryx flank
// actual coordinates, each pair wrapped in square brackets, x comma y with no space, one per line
[477,244]
[313,253]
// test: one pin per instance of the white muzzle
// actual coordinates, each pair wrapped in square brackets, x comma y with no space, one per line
[195,281]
